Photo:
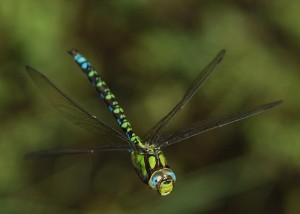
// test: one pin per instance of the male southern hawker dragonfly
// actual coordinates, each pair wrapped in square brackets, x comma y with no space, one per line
[146,154]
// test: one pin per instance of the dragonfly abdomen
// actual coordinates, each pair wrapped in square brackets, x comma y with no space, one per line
[108,97]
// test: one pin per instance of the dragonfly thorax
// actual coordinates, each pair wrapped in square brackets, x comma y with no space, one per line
[153,170]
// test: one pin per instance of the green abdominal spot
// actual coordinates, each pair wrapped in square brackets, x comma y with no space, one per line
[118,110]
[92,73]
[101,83]
[109,96]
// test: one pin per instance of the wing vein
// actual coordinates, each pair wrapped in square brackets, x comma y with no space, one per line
[211,124]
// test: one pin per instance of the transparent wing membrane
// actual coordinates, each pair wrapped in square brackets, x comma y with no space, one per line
[153,135]
[73,111]
[62,152]
[208,125]
[117,141]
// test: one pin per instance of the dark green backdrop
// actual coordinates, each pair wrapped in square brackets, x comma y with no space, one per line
[149,51]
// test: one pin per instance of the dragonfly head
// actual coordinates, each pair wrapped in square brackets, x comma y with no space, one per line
[163,181]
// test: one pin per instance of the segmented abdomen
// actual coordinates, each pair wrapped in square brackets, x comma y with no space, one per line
[107,96]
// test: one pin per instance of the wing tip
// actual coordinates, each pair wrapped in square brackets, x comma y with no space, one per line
[220,55]
[34,73]
[277,102]
[29,68]
[223,51]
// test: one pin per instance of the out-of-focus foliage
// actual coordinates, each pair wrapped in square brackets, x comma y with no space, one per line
[148,52]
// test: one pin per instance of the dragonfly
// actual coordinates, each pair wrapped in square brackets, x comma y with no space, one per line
[146,153]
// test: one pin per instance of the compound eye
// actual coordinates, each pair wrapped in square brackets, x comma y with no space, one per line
[170,174]
[155,180]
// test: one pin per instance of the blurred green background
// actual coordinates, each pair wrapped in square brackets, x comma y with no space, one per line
[148,52]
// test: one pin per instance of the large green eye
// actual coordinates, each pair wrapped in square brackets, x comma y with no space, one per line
[162,180]
[155,179]
[170,174]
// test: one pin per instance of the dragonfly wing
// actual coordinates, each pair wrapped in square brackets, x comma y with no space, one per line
[62,152]
[72,110]
[153,135]
[208,125]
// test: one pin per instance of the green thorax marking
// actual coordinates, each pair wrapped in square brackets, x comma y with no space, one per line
[147,163]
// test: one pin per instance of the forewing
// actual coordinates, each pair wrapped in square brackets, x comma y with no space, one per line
[208,125]
[62,152]
[73,111]
[153,135]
